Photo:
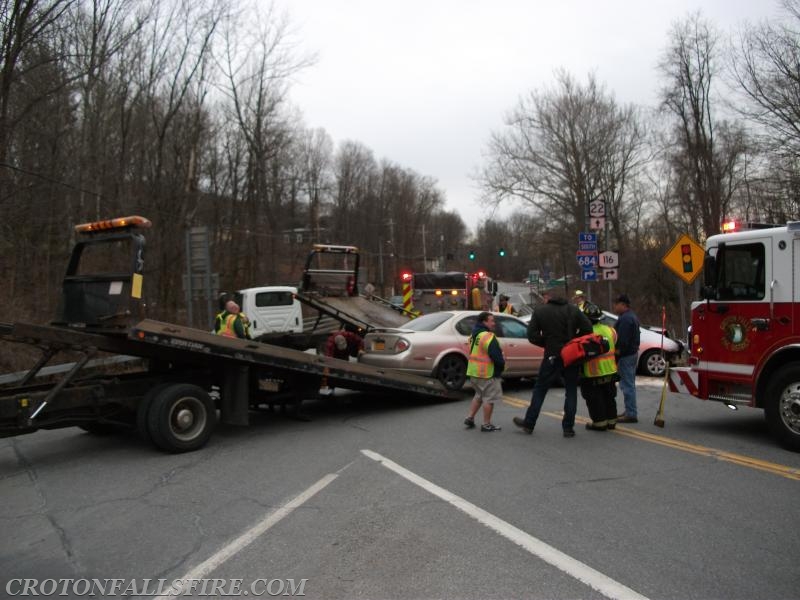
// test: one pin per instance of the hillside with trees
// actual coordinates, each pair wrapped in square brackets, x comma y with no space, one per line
[181,112]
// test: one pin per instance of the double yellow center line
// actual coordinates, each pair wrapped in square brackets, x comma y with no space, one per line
[738,459]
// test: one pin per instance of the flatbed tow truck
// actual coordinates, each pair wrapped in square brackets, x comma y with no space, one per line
[186,376]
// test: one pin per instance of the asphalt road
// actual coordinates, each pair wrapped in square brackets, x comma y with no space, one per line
[396,499]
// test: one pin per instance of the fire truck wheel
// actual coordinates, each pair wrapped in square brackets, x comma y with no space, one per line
[652,363]
[782,406]
[452,371]
[181,418]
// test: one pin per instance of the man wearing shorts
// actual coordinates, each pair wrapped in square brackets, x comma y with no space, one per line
[486,364]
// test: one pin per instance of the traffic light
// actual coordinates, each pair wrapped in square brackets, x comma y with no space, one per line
[471,255]
[686,257]
[501,252]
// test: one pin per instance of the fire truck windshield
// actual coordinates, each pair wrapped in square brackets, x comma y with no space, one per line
[740,272]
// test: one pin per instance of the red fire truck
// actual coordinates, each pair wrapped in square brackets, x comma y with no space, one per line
[451,290]
[745,336]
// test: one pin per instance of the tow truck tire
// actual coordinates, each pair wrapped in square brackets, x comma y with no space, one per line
[782,406]
[181,418]
[452,371]
[143,408]
[652,363]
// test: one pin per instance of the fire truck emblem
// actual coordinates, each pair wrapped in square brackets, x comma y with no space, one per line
[735,330]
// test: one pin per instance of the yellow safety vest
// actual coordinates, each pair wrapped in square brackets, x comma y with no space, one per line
[508,309]
[605,364]
[480,363]
[226,327]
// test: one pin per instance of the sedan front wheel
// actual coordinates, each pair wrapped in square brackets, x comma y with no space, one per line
[653,363]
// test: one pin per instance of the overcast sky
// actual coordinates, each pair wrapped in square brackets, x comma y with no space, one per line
[422,83]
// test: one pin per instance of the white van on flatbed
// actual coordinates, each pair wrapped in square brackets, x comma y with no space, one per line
[271,309]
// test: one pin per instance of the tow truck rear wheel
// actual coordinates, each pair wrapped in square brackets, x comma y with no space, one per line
[782,406]
[181,418]
[144,408]
[452,372]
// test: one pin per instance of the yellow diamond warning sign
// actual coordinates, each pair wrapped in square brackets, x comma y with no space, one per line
[685,259]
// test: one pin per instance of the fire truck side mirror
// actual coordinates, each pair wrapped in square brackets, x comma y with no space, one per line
[709,289]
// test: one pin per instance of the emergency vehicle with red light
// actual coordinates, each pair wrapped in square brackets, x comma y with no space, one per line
[745,332]
[448,290]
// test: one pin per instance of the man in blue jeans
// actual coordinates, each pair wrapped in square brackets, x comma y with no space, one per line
[552,325]
[627,351]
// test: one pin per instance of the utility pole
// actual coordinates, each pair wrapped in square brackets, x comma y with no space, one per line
[424,251]
[393,254]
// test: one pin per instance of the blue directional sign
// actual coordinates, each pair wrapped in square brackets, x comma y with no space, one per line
[587,242]
[589,275]
[587,261]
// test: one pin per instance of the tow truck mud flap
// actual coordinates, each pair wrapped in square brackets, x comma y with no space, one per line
[235,399]
[192,345]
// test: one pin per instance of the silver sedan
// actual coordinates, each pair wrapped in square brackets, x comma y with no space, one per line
[436,344]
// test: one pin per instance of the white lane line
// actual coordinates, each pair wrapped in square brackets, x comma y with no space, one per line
[244,540]
[572,567]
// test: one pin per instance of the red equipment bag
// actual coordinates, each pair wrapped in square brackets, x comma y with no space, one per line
[580,349]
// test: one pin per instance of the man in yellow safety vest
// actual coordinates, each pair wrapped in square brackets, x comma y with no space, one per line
[504,306]
[231,322]
[486,364]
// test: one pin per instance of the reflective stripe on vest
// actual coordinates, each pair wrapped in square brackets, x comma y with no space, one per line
[508,309]
[480,363]
[605,364]
[227,327]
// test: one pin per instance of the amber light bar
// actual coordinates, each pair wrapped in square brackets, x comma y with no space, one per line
[118,223]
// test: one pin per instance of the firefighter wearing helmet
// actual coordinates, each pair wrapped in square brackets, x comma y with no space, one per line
[599,376]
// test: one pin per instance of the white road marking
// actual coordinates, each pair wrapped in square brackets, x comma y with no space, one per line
[244,540]
[572,567]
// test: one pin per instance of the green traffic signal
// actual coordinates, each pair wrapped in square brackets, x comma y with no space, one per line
[501,252]
[472,255]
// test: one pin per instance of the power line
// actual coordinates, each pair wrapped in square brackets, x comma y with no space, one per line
[50,179]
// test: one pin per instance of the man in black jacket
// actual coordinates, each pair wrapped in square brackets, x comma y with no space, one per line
[552,325]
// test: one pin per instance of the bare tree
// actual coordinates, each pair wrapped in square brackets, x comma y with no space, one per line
[23,25]
[257,62]
[706,151]
[765,66]
[563,149]
[316,156]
